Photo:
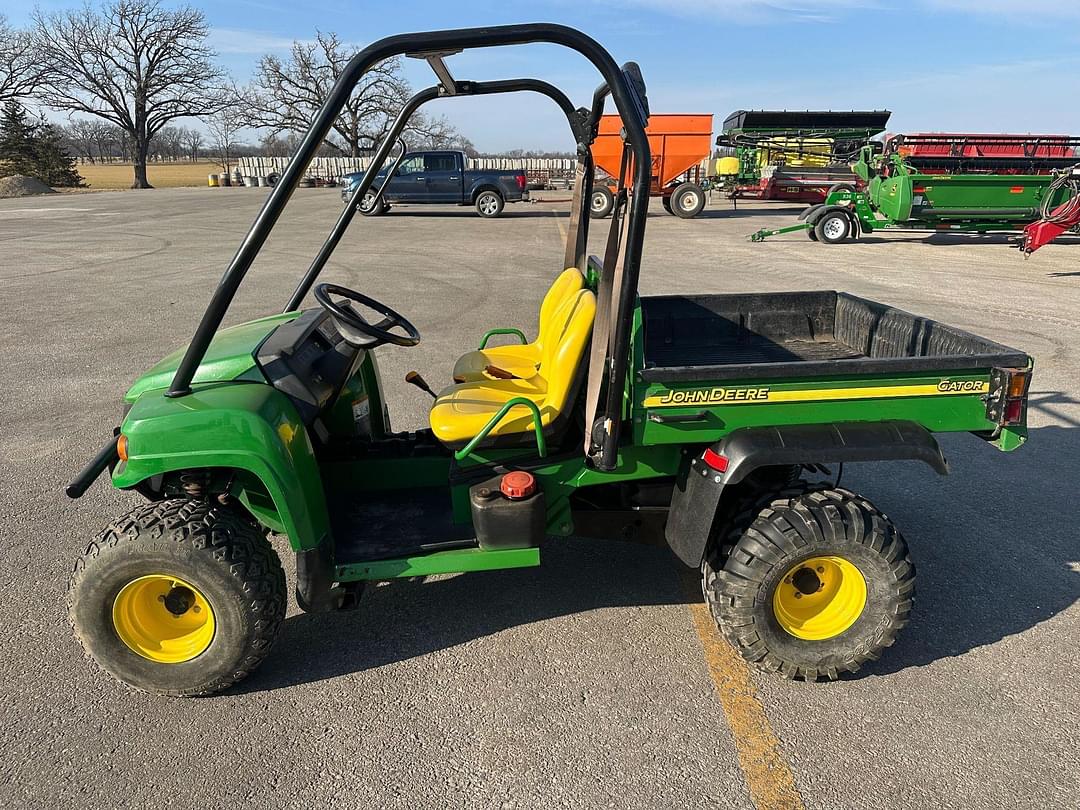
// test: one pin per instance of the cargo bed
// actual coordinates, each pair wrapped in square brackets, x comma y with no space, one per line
[801,334]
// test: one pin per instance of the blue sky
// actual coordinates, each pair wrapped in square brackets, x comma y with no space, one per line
[957,65]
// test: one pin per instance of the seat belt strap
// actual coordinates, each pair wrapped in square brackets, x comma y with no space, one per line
[575,253]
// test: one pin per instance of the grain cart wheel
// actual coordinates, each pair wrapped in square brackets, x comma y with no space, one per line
[666,202]
[687,200]
[840,187]
[489,204]
[368,207]
[832,228]
[178,597]
[810,582]
[601,202]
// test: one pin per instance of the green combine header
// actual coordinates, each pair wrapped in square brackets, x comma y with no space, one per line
[965,183]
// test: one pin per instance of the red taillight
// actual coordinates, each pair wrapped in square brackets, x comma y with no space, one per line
[521,181]
[715,460]
[1014,410]
[1007,403]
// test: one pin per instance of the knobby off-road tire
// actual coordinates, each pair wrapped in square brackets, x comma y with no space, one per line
[229,565]
[763,548]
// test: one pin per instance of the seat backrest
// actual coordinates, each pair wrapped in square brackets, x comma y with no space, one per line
[568,282]
[562,354]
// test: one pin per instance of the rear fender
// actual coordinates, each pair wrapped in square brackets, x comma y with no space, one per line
[700,487]
[248,427]
[484,184]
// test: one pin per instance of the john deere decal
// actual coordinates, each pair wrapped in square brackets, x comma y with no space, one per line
[753,396]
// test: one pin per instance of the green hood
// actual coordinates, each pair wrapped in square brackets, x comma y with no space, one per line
[231,355]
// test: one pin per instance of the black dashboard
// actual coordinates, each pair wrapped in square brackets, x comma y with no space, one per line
[309,361]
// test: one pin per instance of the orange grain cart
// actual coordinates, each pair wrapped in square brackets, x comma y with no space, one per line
[679,143]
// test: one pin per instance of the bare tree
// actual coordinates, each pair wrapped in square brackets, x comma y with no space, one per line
[19,71]
[135,64]
[193,141]
[224,128]
[285,95]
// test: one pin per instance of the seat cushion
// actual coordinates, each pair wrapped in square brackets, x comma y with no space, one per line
[519,360]
[462,411]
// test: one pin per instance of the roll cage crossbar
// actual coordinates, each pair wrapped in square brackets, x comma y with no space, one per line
[625,87]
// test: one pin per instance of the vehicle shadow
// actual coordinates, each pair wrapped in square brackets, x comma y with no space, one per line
[467,212]
[403,619]
[721,211]
[1008,566]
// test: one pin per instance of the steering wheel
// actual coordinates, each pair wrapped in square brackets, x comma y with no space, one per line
[350,322]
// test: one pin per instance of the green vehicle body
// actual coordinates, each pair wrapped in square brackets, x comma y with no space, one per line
[237,424]
[909,200]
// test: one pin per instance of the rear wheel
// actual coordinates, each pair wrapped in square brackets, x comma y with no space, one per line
[178,597]
[810,582]
[832,228]
[601,202]
[687,200]
[489,204]
[840,187]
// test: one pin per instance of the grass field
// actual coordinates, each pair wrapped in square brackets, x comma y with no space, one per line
[161,175]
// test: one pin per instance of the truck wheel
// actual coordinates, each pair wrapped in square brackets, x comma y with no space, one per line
[368,207]
[601,202]
[832,228]
[810,582]
[178,597]
[489,204]
[687,200]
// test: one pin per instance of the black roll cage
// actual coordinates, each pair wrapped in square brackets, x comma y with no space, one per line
[623,85]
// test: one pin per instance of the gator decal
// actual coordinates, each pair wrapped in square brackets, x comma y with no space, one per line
[755,396]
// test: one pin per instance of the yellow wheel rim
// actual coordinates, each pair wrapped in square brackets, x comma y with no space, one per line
[820,598]
[163,618]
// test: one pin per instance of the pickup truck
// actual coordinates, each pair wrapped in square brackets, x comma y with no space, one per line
[440,178]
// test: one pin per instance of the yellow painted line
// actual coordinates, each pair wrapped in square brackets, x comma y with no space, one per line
[562,226]
[768,777]
[757,396]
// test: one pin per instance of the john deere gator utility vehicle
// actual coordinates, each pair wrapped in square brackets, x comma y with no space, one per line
[691,416]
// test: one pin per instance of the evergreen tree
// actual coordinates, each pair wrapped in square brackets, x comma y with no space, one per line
[35,150]
[53,165]
[16,140]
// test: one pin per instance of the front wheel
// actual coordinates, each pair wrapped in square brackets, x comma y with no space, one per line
[833,228]
[370,208]
[601,202]
[810,582]
[489,204]
[687,200]
[178,597]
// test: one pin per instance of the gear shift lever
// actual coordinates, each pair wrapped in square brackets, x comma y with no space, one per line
[414,378]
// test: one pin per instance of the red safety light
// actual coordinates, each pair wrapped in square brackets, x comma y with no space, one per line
[1014,410]
[521,181]
[1016,190]
[715,460]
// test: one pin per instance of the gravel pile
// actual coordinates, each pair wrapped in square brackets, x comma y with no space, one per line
[19,185]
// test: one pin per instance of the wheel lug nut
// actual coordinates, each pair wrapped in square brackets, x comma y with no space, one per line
[161,598]
[798,595]
[821,569]
[197,609]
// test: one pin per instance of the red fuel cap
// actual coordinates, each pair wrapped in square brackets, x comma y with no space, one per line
[517,485]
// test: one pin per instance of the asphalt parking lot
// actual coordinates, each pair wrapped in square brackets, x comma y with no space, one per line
[592,681]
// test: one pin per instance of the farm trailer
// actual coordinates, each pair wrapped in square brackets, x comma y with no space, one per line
[986,189]
[680,145]
[792,155]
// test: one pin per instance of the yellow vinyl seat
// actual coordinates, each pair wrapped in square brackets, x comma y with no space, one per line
[521,360]
[462,411]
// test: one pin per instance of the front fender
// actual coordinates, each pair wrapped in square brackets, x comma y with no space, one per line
[244,426]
